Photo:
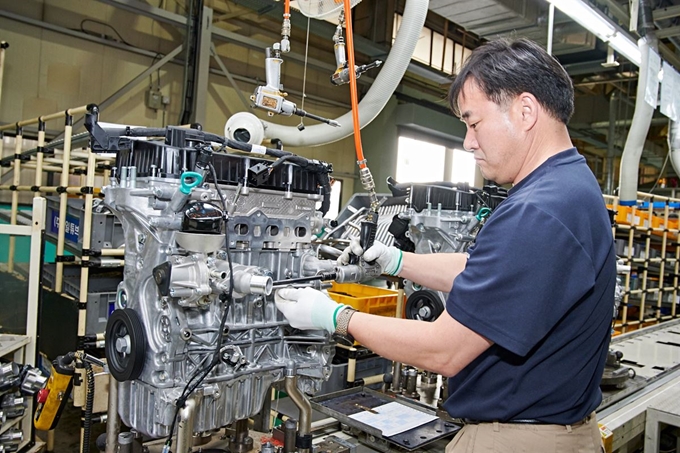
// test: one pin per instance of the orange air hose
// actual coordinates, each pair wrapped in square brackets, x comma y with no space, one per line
[353,86]
[286,9]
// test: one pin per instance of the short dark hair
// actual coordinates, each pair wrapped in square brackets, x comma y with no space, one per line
[506,68]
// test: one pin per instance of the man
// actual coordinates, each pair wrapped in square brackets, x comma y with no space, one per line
[527,323]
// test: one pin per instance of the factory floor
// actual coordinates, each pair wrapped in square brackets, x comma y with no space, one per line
[67,432]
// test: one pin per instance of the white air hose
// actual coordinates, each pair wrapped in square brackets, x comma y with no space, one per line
[378,95]
[674,144]
[637,134]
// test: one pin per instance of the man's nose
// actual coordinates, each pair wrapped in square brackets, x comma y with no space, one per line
[470,142]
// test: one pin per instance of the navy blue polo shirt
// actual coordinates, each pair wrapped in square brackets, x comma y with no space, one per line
[539,283]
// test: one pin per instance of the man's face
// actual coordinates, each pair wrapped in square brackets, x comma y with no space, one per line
[493,134]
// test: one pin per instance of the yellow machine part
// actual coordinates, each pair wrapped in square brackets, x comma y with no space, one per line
[47,413]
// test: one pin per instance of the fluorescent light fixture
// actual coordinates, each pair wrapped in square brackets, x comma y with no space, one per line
[596,23]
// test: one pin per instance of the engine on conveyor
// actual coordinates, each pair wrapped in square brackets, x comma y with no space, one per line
[207,236]
[441,217]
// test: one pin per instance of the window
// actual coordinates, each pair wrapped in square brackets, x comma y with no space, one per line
[419,161]
[432,51]
[422,50]
[463,166]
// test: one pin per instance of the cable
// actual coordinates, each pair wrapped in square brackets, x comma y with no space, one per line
[89,403]
[94,21]
[228,297]
[304,73]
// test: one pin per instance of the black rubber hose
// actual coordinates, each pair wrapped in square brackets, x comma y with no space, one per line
[325,182]
[89,402]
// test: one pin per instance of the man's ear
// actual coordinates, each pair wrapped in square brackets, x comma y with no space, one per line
[530,109]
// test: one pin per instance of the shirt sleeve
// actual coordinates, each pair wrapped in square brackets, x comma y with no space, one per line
[525,273]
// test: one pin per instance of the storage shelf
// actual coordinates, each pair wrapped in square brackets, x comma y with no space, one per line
[9,424]
[12,343]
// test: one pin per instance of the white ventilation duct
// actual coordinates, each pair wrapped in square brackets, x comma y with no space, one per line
[642,117]
[674,144]
[378,95]
[637,134]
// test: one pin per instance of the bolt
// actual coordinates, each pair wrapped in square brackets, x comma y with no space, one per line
[123,344]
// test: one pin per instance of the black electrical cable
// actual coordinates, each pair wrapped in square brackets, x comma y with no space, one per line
[91,32]
[189,388]
[89,403]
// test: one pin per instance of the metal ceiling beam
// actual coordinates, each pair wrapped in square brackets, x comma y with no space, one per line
[137,7]
[666,13]
[146,53]
[145,9]
[621,15]
[668,32]
[75,34]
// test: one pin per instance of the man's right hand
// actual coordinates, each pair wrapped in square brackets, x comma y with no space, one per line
[389,258]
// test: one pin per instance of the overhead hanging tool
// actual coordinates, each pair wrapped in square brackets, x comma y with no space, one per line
[271,96]
[369,225]
[341,74]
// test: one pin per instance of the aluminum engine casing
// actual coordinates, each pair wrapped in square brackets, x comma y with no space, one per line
[435,231]
[269,236]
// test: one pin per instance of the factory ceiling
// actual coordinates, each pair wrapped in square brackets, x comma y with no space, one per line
[256,24]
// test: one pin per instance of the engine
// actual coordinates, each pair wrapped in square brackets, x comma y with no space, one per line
[440,218]
[195,314]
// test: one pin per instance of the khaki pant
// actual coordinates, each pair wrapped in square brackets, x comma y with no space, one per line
[528,438]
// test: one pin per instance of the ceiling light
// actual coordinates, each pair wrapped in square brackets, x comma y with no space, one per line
[596,23]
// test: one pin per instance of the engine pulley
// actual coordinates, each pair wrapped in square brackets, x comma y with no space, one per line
[125,344]
[424,305]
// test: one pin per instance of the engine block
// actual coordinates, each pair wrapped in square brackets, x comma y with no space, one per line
[174,320]
[439,219]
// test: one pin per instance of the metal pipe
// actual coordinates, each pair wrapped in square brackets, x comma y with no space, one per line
[53,116]
[289,431]
[370,380]
[185,427]
[63,201]
[240,442]
[40,156]
[303,404]
[49,446]
[112,417]
[351,366]
[126,440]
[396,366]
[18,141]
[3,46]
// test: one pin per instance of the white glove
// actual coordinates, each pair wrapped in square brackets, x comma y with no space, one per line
[308,309]
[389,258]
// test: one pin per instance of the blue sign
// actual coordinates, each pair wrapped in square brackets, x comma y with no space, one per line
[72,227]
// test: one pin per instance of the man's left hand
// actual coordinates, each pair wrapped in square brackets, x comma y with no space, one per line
[308,309]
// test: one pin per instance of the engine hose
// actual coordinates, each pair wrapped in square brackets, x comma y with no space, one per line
[325,182]
[89,402]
